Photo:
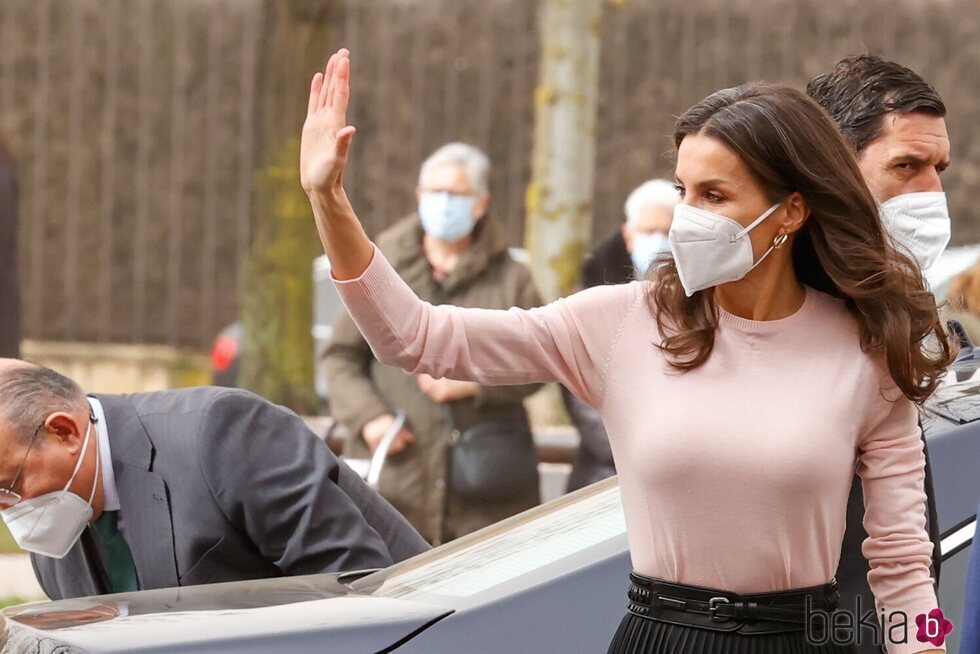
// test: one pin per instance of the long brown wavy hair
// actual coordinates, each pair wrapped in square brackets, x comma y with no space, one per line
[790,144]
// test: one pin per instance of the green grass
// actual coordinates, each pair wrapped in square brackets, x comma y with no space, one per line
[12,601]
[7,545]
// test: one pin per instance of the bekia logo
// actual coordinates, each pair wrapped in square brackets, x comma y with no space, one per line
[933,628]
[844,627]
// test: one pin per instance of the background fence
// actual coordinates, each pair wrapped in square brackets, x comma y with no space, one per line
[139,125]
[133,125]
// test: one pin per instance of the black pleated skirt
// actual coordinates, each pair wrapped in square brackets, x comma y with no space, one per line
[640,635]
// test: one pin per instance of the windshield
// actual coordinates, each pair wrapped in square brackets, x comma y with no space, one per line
[512,548]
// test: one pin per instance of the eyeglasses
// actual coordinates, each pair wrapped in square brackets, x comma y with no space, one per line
[8,497]
[452,194]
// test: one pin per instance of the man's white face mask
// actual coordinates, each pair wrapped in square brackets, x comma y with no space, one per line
[919,223]
[52,523]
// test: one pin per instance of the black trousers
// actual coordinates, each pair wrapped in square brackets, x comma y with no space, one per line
[637,635]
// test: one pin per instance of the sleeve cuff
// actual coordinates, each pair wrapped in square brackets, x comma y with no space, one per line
[375,279]
[359,278]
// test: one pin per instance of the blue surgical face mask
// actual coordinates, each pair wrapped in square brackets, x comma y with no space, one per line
[647,248]
[445,216]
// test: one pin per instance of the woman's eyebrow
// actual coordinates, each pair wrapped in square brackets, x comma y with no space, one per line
[708,183]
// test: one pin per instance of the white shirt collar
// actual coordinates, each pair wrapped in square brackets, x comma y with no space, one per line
[108,476]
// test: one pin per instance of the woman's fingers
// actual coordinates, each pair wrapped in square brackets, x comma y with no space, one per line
[332,86]
[344,138]
[339,79]
[333,80]
[341,91]
[326,137]
[315,87]
[327,80]
[342,55]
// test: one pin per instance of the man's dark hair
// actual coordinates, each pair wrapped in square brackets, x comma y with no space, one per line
[861,89]
[30,393]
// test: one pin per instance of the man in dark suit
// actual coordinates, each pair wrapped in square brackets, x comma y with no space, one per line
[895,122]
[178,488]
[9,288]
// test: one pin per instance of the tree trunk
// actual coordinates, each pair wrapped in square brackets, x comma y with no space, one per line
[277,293]
[559,199]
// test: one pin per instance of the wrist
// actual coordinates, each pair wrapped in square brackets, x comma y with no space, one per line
[327,200]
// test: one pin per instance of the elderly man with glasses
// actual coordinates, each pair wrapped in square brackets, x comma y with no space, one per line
[116,493]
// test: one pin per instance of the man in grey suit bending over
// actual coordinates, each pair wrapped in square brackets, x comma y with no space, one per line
[115,493]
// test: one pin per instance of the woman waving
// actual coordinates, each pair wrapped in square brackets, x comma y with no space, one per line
[779,349]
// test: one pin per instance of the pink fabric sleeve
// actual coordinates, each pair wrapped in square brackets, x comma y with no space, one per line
[569,341]
[898,549]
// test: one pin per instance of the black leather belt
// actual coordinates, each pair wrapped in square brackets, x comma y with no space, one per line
[710,608]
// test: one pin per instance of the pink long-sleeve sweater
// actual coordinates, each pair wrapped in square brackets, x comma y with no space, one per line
[734,475]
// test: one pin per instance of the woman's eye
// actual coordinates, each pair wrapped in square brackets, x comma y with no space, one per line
[679,189]
[713,197]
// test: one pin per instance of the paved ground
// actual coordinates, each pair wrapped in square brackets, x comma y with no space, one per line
[17,578]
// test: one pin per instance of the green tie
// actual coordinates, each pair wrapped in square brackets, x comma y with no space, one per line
[118,558]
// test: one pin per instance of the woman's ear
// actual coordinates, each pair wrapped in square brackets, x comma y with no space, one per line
[797,212]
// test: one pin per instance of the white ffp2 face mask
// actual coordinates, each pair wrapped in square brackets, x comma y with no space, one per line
[919,223]
[710,249]
[52,523]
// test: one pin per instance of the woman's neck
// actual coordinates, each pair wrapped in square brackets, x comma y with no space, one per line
[769,292]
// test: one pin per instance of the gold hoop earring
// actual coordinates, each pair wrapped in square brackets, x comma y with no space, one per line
[779,241]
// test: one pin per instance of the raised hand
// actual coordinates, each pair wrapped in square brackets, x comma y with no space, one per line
[326,135]
[323,155]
